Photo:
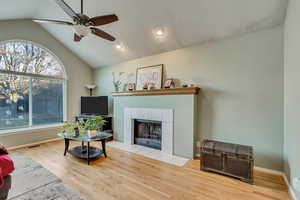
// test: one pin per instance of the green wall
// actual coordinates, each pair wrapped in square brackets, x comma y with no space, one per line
[78,72]
[241,78]
[184,117]
[291,92]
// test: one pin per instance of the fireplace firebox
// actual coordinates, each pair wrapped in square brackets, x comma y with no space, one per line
[148,133]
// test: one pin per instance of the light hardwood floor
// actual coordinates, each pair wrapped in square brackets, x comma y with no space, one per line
[129,176]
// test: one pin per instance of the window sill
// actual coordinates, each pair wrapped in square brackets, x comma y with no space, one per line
[17,131]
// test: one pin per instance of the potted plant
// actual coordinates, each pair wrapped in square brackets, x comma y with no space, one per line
[94,125]
[75,128]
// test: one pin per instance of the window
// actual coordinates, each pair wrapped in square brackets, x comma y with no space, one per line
[32,86]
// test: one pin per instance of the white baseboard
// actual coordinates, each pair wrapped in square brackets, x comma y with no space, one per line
[290,188]
[34,144]
[271,171]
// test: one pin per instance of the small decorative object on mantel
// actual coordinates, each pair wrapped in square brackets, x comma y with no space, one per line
[190,83]
[169,83]
[150,86]
[131,86]
[117,80]
[145,86]
[151,75]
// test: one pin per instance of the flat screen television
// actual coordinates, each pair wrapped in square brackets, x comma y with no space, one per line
[94,105]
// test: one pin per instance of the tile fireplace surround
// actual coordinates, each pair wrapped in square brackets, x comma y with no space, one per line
[165,116]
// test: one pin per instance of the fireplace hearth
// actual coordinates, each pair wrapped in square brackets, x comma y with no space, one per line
[148,133]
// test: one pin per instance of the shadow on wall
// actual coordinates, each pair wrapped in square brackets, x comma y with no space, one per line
[206,113]
[110,105]
[267,158]
[287,169]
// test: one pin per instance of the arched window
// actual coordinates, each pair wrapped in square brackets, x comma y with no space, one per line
[32,86]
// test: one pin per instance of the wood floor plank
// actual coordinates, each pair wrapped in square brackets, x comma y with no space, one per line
[128,176]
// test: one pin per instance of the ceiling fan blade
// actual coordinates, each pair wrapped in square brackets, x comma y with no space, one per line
[102,20]
[102,34]
[52,21]
[77,38]
[67,9]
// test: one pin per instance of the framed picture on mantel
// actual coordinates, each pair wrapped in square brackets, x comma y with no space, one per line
[149,77]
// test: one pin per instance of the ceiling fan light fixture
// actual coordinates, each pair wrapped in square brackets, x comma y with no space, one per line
[82,30]
[82,24]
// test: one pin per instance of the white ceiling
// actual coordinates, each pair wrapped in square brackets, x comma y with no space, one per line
[187,22]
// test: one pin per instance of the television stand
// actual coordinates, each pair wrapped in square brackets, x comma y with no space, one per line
[107,127]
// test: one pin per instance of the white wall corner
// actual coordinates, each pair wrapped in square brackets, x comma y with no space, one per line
[290,188]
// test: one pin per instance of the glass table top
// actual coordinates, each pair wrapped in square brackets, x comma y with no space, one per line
[86,137]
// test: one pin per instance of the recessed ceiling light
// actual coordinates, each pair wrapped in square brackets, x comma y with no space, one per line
[159,32]
[118,46]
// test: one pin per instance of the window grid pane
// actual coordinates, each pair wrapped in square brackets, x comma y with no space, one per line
[14,101]
[47,101]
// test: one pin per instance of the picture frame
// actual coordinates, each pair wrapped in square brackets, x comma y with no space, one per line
[149,77]
[169,83]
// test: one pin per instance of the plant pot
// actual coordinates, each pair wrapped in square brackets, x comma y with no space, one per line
[76,131]
[92,133]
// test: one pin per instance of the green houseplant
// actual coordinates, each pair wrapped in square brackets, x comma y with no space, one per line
[75,128]
[90,127]
[94,125]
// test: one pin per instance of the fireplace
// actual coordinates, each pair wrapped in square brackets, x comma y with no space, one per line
[164,116]
[148,133]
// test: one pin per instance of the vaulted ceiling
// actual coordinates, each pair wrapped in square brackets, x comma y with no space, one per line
[187,22]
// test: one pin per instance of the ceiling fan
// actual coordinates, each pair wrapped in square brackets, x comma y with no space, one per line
[82,24]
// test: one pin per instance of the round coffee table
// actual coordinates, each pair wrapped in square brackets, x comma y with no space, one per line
[86,151]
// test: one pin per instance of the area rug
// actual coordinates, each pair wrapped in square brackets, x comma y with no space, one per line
[31,181]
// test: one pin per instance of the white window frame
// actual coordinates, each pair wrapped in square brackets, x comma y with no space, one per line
[44,77]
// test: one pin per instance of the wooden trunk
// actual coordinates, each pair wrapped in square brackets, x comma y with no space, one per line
[229,159]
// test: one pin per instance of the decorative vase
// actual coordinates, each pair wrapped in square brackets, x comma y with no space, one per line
[117,88]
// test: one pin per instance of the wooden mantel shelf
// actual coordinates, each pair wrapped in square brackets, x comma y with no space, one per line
[171,91]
